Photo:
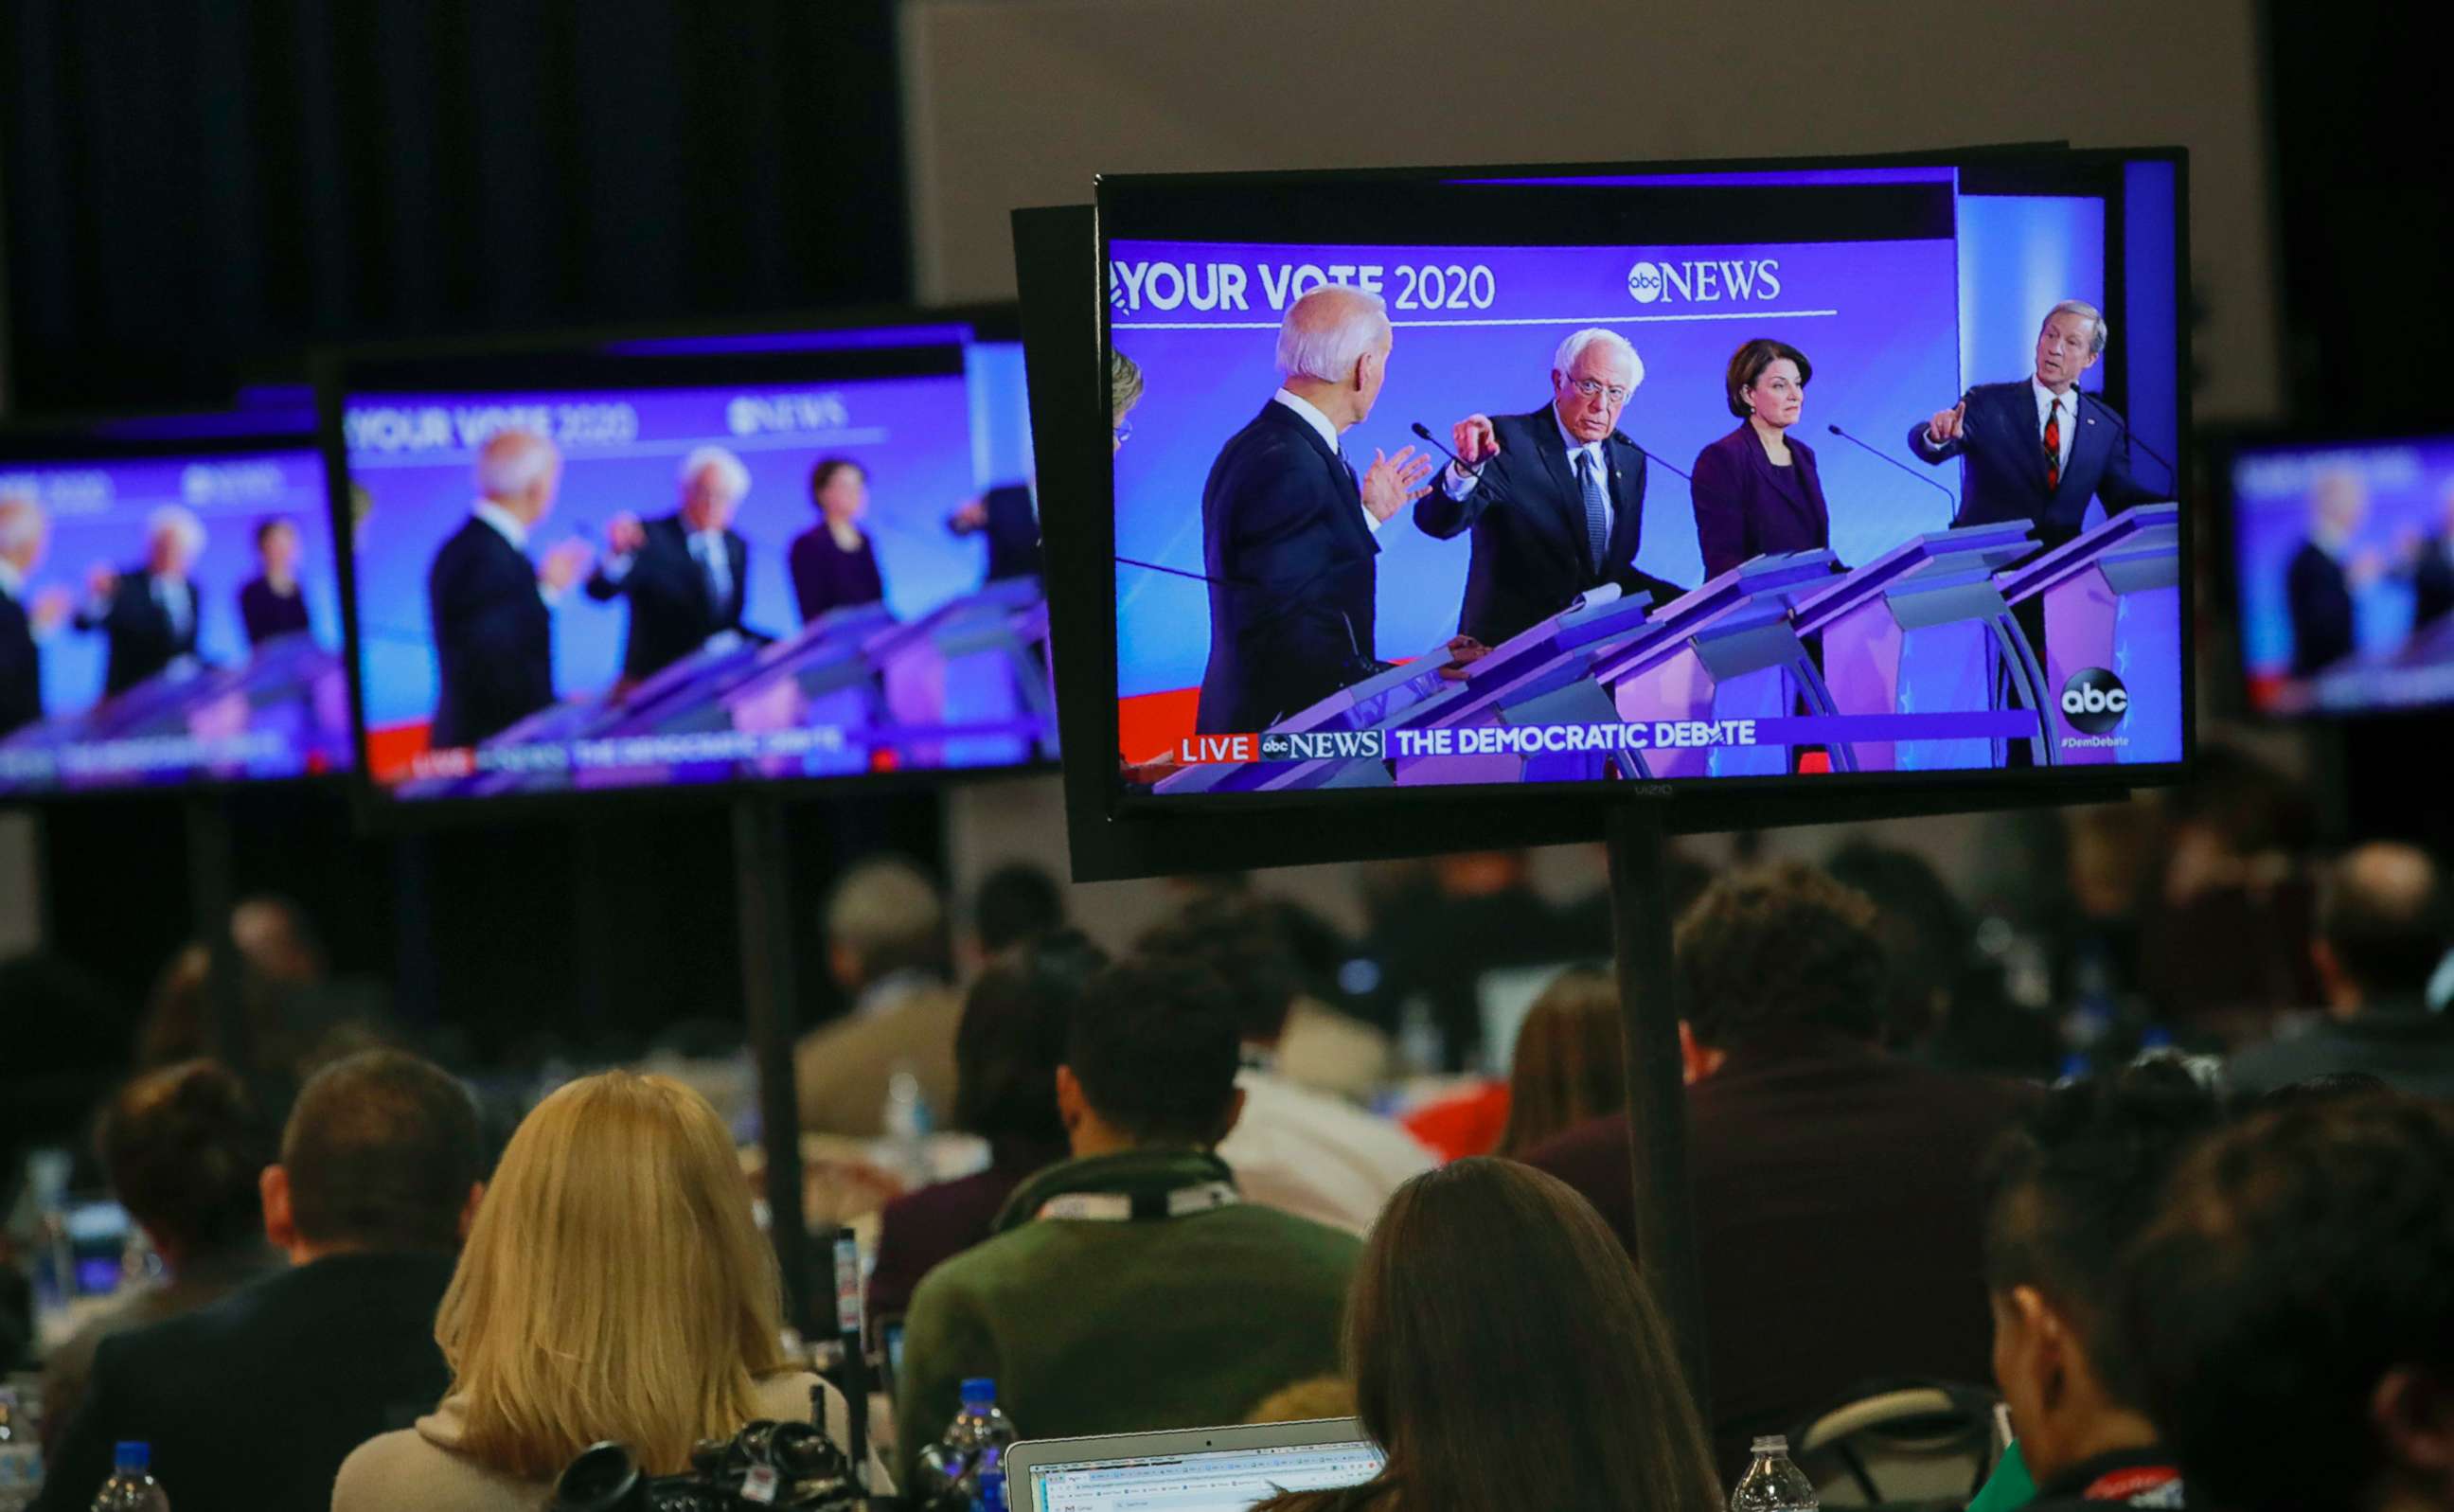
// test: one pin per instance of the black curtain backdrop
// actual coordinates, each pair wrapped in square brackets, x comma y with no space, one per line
[198,190]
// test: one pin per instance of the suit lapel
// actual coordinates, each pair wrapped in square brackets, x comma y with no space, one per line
[1571,514]
[1347,479]
[2088,448]
[1628,501]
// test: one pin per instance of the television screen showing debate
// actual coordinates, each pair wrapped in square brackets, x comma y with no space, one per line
[1652,478]
[166,617]
[723,558]
[2344,558]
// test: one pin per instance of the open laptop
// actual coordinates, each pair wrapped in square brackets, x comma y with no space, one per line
[1192,1470]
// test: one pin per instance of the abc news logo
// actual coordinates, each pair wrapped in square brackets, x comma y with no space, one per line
[1331,745]
[2094,700]
[1721,281]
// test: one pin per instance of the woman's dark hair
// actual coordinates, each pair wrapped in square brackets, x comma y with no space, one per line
[1747,365]
[183,1147]
[824,473]
[1505,1355]
[1568,1066]
[1012,1039]
[270,523]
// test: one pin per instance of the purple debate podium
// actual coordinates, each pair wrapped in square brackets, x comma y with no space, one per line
[2113,638]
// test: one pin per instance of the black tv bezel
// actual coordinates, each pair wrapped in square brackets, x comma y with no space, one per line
[2223,445]
[1061,253]
[375,807]
[111,436]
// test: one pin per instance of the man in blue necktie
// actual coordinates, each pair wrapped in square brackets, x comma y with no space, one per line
[1555,497]
[148,613]
[683,574]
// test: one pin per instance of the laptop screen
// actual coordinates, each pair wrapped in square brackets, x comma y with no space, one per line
[1218,1480]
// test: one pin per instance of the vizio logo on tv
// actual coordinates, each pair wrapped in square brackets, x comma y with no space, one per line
[2094,700]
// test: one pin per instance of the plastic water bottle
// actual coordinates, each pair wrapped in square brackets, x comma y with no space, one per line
[21,1452]
[1773,1483]
[132,1487]
[972,1455]
[908,1119]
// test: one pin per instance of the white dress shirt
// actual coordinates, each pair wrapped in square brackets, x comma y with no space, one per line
[1319,422]
[1314,1156]
[12,579]
[2047,400]
[1458,483]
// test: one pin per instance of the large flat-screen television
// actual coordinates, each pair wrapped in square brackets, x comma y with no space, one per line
[2342,571]
[1762,482]
[170,612]
[781,555]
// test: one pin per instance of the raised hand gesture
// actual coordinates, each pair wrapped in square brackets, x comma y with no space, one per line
[1394,482]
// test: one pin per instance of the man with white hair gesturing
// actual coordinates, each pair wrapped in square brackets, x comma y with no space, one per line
[492,607]
[1555,497]
[683,573]
[25,533]
[148,613]
[1287,525]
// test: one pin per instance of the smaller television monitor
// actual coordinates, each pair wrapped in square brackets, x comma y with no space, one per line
[787,556]
[169,610]
[2343,571]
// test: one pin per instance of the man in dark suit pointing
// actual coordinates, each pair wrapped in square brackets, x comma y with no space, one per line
[1555,499]
[490,606]
[1287,526]
[683,574]
[148,615]
[2038,449]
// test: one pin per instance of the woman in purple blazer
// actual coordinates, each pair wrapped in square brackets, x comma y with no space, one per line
[1756,491]
[834,565]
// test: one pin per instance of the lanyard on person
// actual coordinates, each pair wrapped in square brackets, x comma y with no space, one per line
[1140,1207]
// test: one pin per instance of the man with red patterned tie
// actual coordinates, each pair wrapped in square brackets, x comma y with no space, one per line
[2040,449]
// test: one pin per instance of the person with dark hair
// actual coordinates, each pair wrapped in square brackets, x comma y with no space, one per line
[255,1400]
[886,948]
[1570,1066]
[833,563]
[1559,1389]
[1131,1286]
[1015,905]
[2069,1186]
[2292,1307]
[2323,1087]
[270,605]
[1007,1048]
[1756,490]
[2383,931]
[1295,1148]
[182,1148]
[1838,1191]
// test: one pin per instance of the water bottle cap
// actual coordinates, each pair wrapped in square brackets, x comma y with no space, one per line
[980,1391]
[1772,1444]
[131,1456]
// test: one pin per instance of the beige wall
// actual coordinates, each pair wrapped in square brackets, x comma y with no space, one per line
[1020,102]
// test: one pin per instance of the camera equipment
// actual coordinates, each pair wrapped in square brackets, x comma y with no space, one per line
[774,1464]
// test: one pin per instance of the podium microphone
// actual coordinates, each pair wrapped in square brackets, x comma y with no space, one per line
[1469,469]
[856,1356]
[1898,463]
[2172,473]
[1655,457]
[1354,647]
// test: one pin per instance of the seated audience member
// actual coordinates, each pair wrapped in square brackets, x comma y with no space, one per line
[1131,1287]
[2383,931]
[2320,1088]
[1007,1049]
[2294,1309]
[1569,1067]
[2073,1183]
[1556,1389]
[614,1286]
[255,1400]
[886,946]
[1014,905]
[1303,1151]
[183,1148]
[1837,1187]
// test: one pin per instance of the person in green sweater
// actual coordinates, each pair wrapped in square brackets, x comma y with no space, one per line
[1130,1287]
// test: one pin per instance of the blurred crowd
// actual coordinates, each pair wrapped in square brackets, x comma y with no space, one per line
[2136,1128]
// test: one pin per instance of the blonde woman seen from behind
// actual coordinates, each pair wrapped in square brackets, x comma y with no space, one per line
[613,1286]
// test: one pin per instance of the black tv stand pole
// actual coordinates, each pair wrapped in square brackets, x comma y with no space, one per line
[771,988]
[1638,841]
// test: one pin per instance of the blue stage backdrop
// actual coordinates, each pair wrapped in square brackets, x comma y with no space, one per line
[1476,327]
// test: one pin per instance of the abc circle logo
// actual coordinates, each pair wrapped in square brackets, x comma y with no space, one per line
[2094,700]
[1644,283]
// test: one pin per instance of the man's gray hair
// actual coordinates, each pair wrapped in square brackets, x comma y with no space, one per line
[2082,308]
[1564,361]
[890,916]
[513,460]
[21,522]
[736,477]
[1327,331]
[177,520]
